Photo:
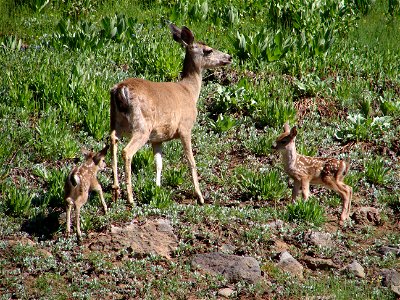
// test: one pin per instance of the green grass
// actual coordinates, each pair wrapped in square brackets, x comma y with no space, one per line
[329,67]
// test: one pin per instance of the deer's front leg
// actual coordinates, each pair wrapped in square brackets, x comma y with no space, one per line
[157,150]
[187,147]
[114,165]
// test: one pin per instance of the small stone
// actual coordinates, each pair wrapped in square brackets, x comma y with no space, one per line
[356,269]
[226,292]
[289,264]
[44,253]
[319,239]
[319,263]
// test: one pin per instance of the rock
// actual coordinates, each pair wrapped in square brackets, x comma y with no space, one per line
[226,292]
[279,246]
[24,241]
[151,237]
[289,264]
[385,250]
[366,216]
[391,279]
[234,268]
[277,224]
[227,248]
[44,253]
[319,263]
[319,239]
[356,269]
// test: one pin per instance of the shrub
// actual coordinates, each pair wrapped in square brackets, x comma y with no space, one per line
[376,171]
[17,200]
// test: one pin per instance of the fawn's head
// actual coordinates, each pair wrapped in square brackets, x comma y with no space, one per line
[202,55]
[97,158]
[286,139]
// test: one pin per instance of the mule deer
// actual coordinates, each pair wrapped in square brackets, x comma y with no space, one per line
[80,181]
[306,170]
[157,112]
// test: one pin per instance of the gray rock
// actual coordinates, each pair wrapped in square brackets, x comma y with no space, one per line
[385,250]
[319,239]
[289,264]
[234,268]
[366,216]
[356,269]
[391,279]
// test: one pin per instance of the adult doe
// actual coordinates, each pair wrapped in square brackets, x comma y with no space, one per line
[80,181]
[306,170]
[144,111]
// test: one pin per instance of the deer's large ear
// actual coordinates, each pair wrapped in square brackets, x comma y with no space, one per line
[293,131]
[176,32]
[286,127]
[187,36]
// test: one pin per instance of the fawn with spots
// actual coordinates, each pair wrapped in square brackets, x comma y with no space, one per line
[306,170]
[80,181]
[145,111]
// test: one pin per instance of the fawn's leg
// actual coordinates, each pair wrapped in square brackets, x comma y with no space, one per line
[187,147]
[78,206]
[114,165]
[97,187]
[137,141]
[296,190]
[157,150]
[305,189]
[68,209]
[344,194]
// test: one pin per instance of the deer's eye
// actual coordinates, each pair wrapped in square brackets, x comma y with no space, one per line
[207,52]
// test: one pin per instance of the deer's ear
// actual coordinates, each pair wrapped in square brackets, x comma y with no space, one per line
[176,32]
[286,127]
[187,36]
[103,152]
[293,131]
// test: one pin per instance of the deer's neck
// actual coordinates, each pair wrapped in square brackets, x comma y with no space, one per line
[290,158]
[191,76]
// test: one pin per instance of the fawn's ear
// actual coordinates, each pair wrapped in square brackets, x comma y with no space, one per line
[286,127]
[293,132]
[100,155]
[176,32]
[187,36]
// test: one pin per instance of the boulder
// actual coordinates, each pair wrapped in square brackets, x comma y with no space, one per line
[234,268]
[150,237]
[366,216]
[391,279]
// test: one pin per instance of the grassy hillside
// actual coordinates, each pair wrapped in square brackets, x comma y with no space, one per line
[330,67]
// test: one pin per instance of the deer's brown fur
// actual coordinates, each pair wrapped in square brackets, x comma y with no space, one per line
[306,170]
[79,182]
[145,111]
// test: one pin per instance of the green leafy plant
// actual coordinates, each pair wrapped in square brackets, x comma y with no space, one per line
[359,128]
[376,171]
[223,123]
[261,185]
[175,176]
[149,193]
[17,200]
[308,211]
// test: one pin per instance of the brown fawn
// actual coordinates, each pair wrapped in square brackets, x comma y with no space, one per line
[80,181]
[306,170]
[145,111]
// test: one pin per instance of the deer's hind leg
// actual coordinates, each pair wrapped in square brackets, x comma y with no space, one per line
[344,193]
[69,205]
